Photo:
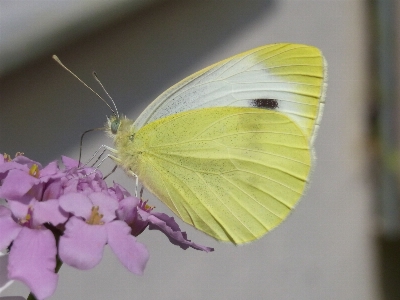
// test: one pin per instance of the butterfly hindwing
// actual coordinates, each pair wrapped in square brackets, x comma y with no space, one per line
[234,173]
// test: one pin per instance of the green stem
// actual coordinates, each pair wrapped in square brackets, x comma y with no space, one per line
[31,297]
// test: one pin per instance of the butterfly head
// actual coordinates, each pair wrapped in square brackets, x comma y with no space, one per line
[119,127]
[113,124]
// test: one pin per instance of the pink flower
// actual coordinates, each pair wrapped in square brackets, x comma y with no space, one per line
[91,227]
[22,175]
[138,215]
[167,225]
[32,257]
[75,207]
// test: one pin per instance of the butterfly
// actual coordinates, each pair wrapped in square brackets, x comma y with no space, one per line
[229,149]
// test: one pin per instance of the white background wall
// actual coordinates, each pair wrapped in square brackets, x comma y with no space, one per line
[325,248]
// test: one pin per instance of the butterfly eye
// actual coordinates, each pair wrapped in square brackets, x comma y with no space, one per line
[115,125]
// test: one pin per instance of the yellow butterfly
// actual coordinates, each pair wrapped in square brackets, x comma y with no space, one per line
[229,149]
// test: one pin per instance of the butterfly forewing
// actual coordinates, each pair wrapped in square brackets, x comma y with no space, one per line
[288,76]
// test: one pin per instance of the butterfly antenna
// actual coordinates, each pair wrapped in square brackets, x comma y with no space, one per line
[104,89]
[62,65]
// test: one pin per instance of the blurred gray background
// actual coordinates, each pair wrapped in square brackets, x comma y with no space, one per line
[329,248]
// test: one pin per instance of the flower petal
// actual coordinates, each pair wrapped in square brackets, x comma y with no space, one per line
[20,207]
[97,183]
[19,163]
[107,205]
[16,184]
[171,229]
[49,211]
[9,230]
[82,244]
[48,171]
[4,168]
[23,160]
[127,209]
[54,189]
[32,260]
[119,192]
[132,254]
[68,162]
[71,186]
[77,204]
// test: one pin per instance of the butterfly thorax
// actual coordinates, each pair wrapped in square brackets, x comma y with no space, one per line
[123,135]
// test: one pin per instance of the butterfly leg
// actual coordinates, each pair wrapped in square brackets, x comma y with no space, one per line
[105,148]
[112,171]
[108,156]
[118,161]
[137,182]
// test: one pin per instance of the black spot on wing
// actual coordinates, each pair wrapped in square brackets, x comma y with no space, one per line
[265,103]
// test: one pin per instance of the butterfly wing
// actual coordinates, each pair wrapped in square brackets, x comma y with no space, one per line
[289,78]
[234,173]
[229,148]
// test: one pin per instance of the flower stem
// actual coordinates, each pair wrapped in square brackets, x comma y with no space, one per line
[31,297]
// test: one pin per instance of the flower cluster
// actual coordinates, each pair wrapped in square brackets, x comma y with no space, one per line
[53,216]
